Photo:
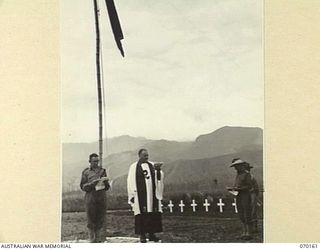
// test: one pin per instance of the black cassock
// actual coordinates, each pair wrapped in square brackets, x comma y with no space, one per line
[150,219]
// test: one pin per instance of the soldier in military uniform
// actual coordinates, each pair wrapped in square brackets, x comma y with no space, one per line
[95,183]
[254,192]
[243,184]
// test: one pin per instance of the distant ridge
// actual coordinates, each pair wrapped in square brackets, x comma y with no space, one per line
[204,152]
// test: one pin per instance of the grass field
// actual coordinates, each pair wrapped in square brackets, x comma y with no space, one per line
[177,228]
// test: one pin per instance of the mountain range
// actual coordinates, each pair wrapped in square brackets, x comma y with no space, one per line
[199,165]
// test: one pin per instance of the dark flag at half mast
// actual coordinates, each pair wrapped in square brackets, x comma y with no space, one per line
[115,24]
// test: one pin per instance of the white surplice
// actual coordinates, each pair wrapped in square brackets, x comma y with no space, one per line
[132,187]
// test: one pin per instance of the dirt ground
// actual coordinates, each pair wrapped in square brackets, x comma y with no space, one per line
[176,228]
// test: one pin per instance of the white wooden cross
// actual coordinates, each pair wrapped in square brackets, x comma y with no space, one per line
[206,205]
[181,205]
[170,205]
[193,205]
[235,205]
[220,204]
[160,206]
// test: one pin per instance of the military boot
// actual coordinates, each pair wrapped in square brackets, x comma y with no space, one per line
[154,238]
[247,235]
[143,238]
[92,236]
[100,235]
[243,232]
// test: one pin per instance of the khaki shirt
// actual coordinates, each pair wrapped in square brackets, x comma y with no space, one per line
[255,186]
[89,175]
[243,181]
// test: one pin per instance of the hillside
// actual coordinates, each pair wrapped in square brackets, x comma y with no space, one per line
[227,140]
[201,175]
[73,152]
[202,158]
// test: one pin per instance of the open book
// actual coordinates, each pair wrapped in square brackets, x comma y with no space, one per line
[100,185]
[232,191]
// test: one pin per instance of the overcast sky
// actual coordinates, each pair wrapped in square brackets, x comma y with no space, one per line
[191,66]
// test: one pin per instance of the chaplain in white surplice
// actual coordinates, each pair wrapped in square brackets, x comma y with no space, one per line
[145,189]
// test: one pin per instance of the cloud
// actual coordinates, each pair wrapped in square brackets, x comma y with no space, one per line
[190,66]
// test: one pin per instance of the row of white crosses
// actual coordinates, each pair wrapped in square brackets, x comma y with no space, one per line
[206,204]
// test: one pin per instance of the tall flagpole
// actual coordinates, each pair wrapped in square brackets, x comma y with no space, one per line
[99,87]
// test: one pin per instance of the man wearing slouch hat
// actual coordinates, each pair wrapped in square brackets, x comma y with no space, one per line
[243,185]
[254,193]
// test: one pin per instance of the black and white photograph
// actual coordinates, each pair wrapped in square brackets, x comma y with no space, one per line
[162,121]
